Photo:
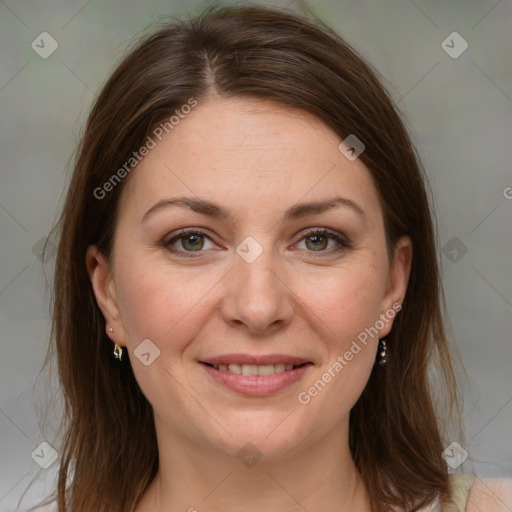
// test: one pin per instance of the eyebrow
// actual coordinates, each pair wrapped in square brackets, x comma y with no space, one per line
[295,212]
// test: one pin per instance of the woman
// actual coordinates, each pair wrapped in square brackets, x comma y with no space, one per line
[247,296]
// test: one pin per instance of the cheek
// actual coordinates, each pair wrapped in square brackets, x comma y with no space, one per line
[169,307]
[162,303]
[344,309]
[344,301]
[344,306]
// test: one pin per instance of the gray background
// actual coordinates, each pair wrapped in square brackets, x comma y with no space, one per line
[458,111]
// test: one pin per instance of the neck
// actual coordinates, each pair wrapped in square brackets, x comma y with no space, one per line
[320,477]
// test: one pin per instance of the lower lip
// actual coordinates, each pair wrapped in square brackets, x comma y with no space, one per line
[257,385]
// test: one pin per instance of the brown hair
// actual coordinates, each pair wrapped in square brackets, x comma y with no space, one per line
[109,443]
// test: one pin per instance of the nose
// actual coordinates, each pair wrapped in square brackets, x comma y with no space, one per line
[257,296]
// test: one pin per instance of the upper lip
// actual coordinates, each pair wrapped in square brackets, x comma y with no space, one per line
[255,360]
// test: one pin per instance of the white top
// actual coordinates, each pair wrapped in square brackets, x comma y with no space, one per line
[490,495]
[485,495]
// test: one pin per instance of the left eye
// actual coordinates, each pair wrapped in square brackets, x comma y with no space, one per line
[318,241]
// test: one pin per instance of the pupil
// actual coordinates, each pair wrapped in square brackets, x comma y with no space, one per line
[195,239]
[317,239]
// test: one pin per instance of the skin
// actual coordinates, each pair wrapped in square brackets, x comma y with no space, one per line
[256,159]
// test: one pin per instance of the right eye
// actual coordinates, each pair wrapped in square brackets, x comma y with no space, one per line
[190,240]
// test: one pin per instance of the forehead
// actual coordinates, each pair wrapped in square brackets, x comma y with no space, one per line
[247,153]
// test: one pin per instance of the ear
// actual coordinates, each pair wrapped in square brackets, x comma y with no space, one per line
[396,287]
[103,286]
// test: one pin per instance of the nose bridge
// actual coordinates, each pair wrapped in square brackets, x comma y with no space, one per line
[257,295]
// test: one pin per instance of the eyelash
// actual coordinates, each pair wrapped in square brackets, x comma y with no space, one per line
[343,242]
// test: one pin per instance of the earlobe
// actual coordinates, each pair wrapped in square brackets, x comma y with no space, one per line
[398,280]
[103,287]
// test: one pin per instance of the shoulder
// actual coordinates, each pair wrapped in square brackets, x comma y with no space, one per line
[473,494]
[490,495]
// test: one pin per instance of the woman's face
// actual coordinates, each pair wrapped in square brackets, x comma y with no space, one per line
[265,278]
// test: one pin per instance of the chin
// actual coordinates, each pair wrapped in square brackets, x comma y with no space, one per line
[272,438]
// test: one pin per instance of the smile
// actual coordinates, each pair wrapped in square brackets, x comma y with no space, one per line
[256,376]
[252,369]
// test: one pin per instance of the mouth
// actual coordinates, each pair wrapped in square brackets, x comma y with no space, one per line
[253,369]
[256,376]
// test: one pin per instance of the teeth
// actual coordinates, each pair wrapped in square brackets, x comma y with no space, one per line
[279,368]
[249,369]
[235,368]
[252,369]
[267,369]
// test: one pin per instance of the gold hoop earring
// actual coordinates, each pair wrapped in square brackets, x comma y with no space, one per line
[118,352]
